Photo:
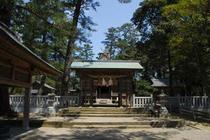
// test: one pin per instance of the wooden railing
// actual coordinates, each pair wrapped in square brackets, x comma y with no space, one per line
[142,102]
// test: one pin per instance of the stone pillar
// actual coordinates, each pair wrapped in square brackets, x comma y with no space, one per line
[133,100]
[26,109]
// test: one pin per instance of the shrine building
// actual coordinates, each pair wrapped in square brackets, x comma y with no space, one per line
[105,81]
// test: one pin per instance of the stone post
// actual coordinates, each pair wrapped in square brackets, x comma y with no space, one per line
[50,103]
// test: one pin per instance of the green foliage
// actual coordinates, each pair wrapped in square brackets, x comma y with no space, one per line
[85,52]
[49,28]
[121,42]
[175,37]
[152,47]
[144,88]
[189,41]
[124,1]
[110,41]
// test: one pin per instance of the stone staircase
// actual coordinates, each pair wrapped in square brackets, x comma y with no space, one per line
[98,117]
[108,117]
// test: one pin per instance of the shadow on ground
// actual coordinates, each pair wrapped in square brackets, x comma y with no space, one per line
[96,134]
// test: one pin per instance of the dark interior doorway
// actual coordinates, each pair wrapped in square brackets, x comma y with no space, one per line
[104,92]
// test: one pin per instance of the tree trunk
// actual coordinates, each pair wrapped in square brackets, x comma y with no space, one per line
[4,100]
[72,38]
[170,74]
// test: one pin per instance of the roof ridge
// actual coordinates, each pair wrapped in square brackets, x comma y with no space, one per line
[107,61]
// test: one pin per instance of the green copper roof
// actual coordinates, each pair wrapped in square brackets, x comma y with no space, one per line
[106,65]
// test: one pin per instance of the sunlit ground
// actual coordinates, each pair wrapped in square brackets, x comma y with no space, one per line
[185,133]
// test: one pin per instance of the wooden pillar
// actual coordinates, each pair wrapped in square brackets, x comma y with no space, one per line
[126,98]
[119,94]
[91,93]
[119,99]
[91,98]
[26,109]
[4,100]
[82,95]
[82,98]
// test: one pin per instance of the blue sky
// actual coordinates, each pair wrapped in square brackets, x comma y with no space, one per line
[111,13]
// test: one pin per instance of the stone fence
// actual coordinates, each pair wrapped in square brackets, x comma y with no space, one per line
[174,102]
[40,104]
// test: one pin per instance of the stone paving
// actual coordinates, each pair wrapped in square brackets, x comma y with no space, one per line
[185,133]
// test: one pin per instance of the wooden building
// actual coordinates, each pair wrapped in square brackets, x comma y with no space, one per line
[106,82]
[162,85]
[17,66]
[44,90]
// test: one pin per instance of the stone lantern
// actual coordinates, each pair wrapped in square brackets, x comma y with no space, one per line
[162,99]
[50,102]
[51,99]
[162,102]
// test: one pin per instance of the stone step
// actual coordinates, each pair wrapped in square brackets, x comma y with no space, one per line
[90,112]
[103,115]
[112,126]
[139,124]
[98,122]
[94,110]
[100,109]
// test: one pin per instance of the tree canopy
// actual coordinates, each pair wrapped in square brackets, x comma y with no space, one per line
[175,39]
[169,37]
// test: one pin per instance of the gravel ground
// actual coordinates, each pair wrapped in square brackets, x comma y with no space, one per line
[185,133]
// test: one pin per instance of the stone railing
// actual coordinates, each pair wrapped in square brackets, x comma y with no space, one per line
[67,101]
[196,102]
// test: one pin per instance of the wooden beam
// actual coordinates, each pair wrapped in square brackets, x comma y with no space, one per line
[14,83]
[9,59]
[13,72]
[107,72]
[23,54]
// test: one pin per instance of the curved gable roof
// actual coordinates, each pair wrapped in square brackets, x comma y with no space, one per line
[21,51]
